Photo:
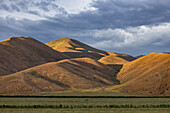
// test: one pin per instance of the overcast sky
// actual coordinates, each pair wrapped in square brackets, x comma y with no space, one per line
[133,27]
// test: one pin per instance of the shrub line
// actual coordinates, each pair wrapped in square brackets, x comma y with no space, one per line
[84,106]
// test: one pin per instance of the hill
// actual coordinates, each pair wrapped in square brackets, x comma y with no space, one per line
[19,53]
[76,49]
[64,75]
[28,66]
[116,58]
[149,75]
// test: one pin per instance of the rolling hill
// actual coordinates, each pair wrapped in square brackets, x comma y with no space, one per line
[116,58]
[149,75]
[19,53]
[28,66]
[64,75]
[76,49]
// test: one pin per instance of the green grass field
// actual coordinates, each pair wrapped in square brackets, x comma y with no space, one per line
[113,110]
[86,102]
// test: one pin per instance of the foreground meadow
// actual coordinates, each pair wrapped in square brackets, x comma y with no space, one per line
[82,104]
[112,110]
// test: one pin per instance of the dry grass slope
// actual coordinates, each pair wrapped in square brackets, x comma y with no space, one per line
[31,67]
[116,58]
[64,75]
[19,53]
[149,74]
[76,49]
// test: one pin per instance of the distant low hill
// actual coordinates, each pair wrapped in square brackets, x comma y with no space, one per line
[149,74]
[19,53]
[64,75]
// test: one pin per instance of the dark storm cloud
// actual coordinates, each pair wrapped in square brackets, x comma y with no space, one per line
[123,13]
[108,27]
[43,30]
[109,13]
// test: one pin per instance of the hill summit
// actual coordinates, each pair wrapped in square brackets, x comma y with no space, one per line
[77,49]
[19,53]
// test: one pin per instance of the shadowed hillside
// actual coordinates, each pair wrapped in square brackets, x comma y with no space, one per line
[149,74]
[18,53]
[79,73]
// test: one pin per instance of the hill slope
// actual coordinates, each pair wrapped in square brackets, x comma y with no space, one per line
[116,58]
[78,73]
[18,53]
[76,49]
[149,74]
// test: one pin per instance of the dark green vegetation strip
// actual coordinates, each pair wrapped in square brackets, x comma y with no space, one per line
[85,96]
[85,106]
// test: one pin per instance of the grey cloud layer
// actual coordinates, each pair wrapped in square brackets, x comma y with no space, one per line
[135,37]
[130,26]
[36,7]
[123,13]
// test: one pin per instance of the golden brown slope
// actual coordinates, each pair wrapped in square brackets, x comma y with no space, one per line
[149,74]
[76,49]
[18,53]
[79,73]
[116,58]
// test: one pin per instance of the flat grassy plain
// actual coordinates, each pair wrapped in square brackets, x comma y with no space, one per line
[93,110]
[84,101]
[99,105]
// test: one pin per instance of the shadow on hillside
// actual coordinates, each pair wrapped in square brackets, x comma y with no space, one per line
[116,67]
[35,74]
[86,47]
[88,70]
[128,58]
[83,54]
